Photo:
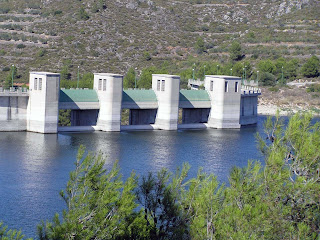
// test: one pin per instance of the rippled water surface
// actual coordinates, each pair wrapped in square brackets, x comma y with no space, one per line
[35,167]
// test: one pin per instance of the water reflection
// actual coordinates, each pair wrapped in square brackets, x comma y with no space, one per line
[35,167]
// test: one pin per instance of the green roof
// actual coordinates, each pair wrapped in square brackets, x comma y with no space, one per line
[78,95]
[194,95]
[90,95]
[139,95]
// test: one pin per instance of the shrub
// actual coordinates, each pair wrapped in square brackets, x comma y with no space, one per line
[83,14]
[20,46]
[235,51]
[42,52]
[6,69]
[273,89]
[314,88]
[267,66]
[311,68]
[147,56]
[5,36]
[205,28]
[57,12]
[267,79]
[199,46]
[4,10]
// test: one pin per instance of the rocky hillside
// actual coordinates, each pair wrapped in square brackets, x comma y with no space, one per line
[288,99]
[111,36]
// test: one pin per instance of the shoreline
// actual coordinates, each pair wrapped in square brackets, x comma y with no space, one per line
[271,109]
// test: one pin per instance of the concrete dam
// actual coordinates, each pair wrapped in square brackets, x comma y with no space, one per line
[224,103]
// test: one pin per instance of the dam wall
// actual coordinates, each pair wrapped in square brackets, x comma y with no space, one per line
[223,104]
[13,110]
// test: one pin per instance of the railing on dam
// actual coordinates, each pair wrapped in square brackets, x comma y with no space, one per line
[249,90]
[14,92]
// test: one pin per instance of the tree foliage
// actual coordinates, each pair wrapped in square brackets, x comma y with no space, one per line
[312,67]
[99,204]
[278,199]
[161,201]
[146,56]
[64,117]
[267,66]
[145,80]
[129,79]
[85,81]
[65,73]
[200,46]
[291,69]
[235,51]
[267,79]
[291,176]
[12,74]
[10,234]
[83,15]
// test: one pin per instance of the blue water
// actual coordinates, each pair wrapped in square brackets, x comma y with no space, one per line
[35,167]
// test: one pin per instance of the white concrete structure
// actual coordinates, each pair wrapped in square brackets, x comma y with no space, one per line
[225,94]
[223,104]
[166,88]
[43,106]
[109,89]
[13,110]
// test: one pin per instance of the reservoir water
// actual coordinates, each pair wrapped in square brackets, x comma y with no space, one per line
[35,167]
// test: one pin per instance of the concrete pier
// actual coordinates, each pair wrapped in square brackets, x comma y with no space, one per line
[225,94]
[109,89]
[223,104]
[166,88]
[43,106]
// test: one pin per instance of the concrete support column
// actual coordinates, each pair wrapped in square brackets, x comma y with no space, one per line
[248,109]
[225,95]
[167,89]
[43,106]
[109,89]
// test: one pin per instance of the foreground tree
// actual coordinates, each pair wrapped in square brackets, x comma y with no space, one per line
[10,234]
[291,174]
[160,199]
[277,200]
[99,204]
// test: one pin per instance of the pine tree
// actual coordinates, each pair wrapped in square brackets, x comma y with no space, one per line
[235,51]
[129,79]
[99,204]
[312,67]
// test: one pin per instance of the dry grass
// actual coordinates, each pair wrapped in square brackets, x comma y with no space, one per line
[290,97]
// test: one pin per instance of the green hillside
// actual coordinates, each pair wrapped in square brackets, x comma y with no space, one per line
[111,36]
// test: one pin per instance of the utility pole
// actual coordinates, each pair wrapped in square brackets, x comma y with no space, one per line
[78,78]
[245,73]
[242,76]
[135,78]
[12,75]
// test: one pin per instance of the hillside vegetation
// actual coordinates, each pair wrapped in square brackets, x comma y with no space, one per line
[112,36]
